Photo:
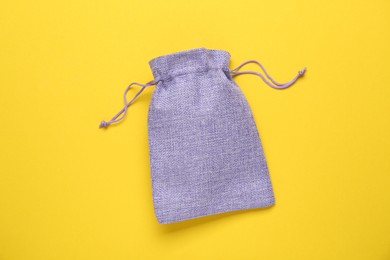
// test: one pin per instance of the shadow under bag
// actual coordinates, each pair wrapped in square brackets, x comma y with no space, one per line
[206,156]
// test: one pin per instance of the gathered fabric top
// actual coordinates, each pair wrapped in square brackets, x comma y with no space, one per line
[188,61]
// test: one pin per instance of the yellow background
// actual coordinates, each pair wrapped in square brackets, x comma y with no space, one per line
[69,190]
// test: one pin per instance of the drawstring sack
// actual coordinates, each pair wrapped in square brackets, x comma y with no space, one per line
[206,156]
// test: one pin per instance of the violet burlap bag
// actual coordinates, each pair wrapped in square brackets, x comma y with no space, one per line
[206,156]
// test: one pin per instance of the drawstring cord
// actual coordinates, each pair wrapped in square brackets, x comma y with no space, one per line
[235,72]
[127,104]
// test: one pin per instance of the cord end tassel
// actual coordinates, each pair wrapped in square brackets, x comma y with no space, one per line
[302,71]
[103,124]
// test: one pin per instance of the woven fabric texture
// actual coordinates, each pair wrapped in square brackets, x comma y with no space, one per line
[206,155]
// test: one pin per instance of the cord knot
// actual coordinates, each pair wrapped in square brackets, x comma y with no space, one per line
[302,71]
[103,124]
